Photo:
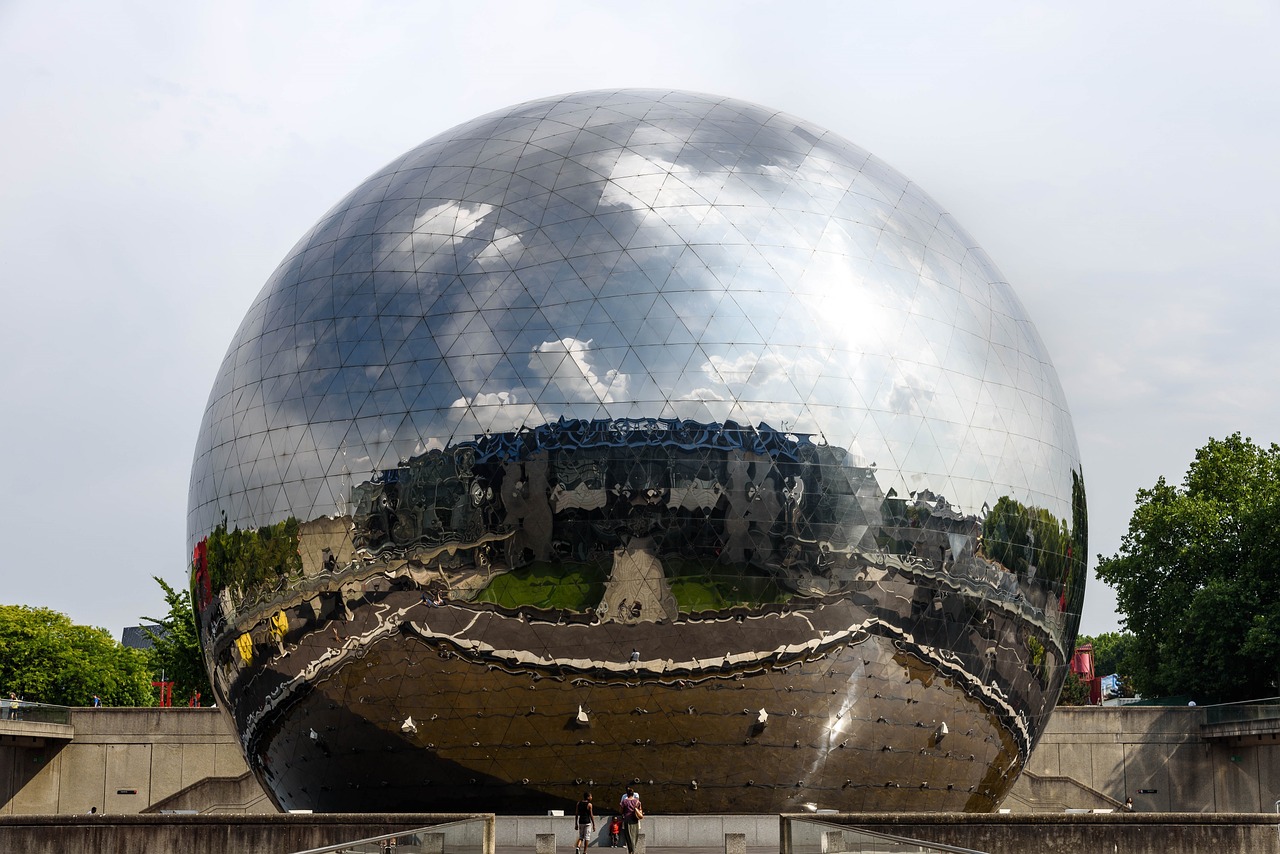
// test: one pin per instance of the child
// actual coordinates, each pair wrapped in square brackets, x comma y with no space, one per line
[615,828]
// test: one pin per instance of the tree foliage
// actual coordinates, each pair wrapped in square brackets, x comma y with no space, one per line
[1074,691]
[1197,581]
[175,653]
[1110,652]
[248,561]
[45,658]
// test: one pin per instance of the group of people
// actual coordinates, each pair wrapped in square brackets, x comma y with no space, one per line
[625,825]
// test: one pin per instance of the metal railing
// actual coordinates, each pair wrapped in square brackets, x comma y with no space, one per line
[23,710]
[468,836]
[810,836]
[1265,709]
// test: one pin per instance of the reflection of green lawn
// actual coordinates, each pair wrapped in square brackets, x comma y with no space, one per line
[569,587]
[710,586]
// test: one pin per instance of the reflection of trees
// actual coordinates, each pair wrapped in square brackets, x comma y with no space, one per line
[252,560]
[1035,545]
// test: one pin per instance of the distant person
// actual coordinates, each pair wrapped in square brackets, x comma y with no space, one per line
[1128,804]
[586,818]
[93,810]
[97,701]
[632,813]
[15,707]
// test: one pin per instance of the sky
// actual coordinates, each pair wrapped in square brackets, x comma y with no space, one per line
[1119,162]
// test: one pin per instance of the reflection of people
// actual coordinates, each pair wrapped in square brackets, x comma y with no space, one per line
[632,812]
[279,628]
[586,817]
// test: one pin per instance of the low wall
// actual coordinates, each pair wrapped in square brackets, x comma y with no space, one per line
[131,760]
[199,834]
[123,761]
[1131,833]
[1159,756]
[660,831]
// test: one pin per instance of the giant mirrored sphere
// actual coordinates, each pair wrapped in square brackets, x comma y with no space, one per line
[637,437]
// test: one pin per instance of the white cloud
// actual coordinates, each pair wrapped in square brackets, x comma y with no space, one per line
[567,365]
[500,412]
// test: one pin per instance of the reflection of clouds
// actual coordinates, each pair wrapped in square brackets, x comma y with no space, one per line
[768,387]
[905,396]
[444,226]
[566,365]
[753,367]
[451,219]
[703,394]
[500,411]
[792,374]
[783,281]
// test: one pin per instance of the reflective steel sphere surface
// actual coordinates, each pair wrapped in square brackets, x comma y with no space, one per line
[637,437]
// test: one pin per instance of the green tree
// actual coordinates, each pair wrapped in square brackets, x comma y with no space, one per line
[46,658]
[1197,581]
[1074,691]
[175,653]
[1110,652]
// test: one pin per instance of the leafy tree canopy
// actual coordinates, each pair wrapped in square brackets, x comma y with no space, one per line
[1110,650]
[1074,692]
[175,653]
[45,658]
[1197,580]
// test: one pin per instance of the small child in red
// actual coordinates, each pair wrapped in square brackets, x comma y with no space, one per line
[615,828]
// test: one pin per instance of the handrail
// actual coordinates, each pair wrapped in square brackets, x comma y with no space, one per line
[1243,710]
[386,837]
[26,710]
[889,837]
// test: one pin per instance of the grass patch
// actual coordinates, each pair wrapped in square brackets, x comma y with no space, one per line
[554,587]
[711,586]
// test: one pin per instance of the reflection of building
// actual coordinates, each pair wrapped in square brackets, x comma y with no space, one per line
[606,438]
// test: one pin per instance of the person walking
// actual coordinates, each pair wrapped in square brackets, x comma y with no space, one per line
[586,818]
[632,813]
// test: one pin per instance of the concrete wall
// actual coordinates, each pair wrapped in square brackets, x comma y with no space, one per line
[1131,833]
[1120,751]
[198,834]
[1088,758]
[152,753]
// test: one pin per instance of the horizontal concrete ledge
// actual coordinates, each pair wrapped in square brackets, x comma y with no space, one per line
[37,729]
[1180,819]
[231,820]
[1054,833]
[217,834]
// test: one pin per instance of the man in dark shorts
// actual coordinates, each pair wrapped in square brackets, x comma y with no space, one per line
[585,816]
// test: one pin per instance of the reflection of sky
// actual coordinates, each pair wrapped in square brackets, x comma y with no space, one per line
[569,258]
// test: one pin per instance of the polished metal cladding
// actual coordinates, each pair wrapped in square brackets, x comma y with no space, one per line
[637,437]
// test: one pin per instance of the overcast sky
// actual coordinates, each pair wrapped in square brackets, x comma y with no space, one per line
[1119,161]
